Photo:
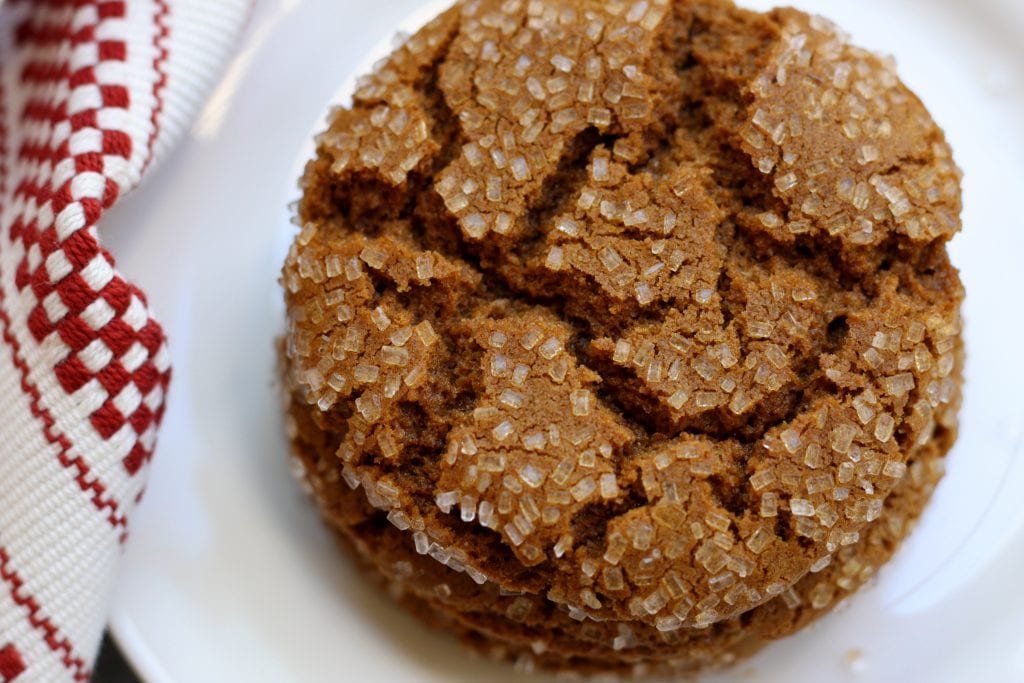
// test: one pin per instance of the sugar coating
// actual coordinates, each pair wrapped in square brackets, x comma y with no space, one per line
[640,310]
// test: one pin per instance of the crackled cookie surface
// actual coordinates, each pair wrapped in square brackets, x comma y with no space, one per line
[637,312]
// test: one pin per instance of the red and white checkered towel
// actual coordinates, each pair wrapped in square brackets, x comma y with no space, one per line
[92,92]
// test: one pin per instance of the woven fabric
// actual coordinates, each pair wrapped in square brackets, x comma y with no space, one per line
[92,93]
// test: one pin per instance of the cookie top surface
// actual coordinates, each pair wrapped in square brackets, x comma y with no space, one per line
[641,306]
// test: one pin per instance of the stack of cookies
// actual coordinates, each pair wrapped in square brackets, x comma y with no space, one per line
[622,336]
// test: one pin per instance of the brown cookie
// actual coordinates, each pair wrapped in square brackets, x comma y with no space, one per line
[639,309]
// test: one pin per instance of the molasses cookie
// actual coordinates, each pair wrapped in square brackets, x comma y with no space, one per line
[634,320]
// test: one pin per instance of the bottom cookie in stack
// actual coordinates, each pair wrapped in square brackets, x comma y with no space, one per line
[535,632]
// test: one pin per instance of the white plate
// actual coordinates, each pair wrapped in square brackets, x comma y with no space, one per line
[230,576]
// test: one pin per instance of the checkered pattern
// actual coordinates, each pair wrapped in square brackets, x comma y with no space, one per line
[90,92]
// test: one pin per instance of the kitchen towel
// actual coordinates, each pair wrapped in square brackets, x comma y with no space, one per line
[92,94]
